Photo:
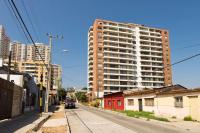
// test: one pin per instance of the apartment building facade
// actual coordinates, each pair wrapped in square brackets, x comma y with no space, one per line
[124,56]
[35,69]
[56,72]
[18,51]
[22,52]
[4,43]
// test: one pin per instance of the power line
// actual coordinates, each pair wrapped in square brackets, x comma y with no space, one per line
[183,60]
[20,24]
[27,31]
[14,18]
[29,18]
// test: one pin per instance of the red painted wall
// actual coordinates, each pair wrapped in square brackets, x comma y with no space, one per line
[114,101]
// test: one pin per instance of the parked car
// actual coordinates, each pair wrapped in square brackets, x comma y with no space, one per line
[70,103]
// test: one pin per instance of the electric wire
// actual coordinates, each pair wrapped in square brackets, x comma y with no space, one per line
[14,19]
[30,20]
[27,31]
[20,24]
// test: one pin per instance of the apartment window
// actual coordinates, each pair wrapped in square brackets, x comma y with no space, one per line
[100,49]
[119,103]
[130,102]
[178,102]
[149,101]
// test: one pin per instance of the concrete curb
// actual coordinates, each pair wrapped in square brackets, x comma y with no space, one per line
[37,125]
[68,126]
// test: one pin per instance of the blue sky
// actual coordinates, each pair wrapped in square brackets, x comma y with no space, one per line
[72,18]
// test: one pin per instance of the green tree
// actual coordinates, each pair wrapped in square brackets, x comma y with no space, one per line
[61,94]
[81,96]
[84,88]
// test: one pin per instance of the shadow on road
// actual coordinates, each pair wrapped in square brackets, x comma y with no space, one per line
[14,124]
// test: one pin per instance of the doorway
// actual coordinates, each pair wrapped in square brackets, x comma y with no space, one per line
[140,104]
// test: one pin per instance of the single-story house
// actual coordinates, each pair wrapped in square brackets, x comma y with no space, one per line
[114,101]
[172,101]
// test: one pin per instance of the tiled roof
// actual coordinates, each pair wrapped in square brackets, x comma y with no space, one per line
[173,89]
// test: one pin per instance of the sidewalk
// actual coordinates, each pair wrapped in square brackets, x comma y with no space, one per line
[57,123]
[23,123]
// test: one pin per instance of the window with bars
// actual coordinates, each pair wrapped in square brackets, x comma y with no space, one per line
[178,102]
[149,101]
[130,102]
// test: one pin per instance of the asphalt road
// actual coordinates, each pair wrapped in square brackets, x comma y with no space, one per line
[85,119]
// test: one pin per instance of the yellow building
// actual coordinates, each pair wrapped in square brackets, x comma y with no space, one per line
[171,101]
[35,68]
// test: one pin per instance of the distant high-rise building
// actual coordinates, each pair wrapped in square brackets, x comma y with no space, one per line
[56,72]
[4,43]
[22,52]
[30,50]
[25,58]
[125,56]
[18,51]
[35,68]
[43,50]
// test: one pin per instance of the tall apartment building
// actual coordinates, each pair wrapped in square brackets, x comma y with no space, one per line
[22,52]
[125,56]
[18,51]
[35,68]
[56,72]
[4,43]
[43,50]
[25,58]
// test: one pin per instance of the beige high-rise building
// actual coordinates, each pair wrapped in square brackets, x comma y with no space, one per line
[35,68]
[30,53]
[43,50]
[25,58]
[22,52]
[56,72]
[124,56]
[4,43]
[18,51]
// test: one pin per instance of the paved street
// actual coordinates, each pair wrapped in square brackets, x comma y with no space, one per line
[89,120]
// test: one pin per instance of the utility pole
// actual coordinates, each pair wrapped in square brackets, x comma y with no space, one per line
[49,70]
[41,88]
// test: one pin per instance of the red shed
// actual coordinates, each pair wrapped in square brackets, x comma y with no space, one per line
[114,101]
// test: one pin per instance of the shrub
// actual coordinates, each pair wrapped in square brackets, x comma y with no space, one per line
[188,118]
[173,117]
[161,119]
[95,103]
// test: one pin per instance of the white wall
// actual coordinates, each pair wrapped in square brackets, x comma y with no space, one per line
[164,106]
[18,79]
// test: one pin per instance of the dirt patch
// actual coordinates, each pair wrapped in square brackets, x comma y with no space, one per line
[60,129]
[57,115]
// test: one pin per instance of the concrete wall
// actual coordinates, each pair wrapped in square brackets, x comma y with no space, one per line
[164,105]
[17,101]
[10,99]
